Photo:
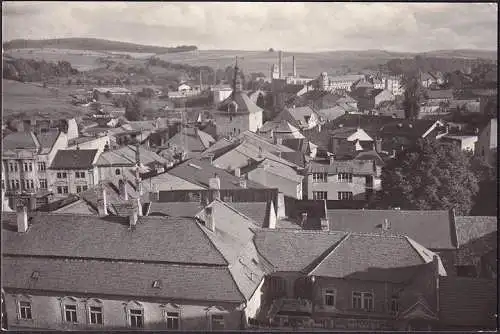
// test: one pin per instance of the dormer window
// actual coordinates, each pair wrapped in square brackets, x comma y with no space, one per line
[232,107]
[157,284]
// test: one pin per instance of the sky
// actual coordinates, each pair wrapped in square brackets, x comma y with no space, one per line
[292,26]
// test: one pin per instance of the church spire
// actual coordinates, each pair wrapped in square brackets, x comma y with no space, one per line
[237,86]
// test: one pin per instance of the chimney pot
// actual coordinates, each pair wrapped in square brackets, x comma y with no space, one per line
[243,183]
[22,219]
[102,204]
[123,189]
[325,224]
[332,159]
[133,219]
[237,172]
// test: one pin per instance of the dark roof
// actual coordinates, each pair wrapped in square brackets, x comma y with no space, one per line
[414,224]
[199,171]
[470,228]
[370,155]
[296,158]
[257,211]
[174,209]
[373,257]
[294,250]
[160,239]
[191,139]
[291,89]
[357,167]
[344,132]
[20,140]
[440,94]
[468,302]
[371,124]
[407,128]
[121,278]
[73,159]
[245,104]
[47,140]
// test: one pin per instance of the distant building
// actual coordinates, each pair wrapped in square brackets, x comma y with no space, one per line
[112,90]
[465,143]
[336,83]
[487,143]
[393,84]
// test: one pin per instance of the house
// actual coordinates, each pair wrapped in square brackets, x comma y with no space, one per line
[476,255]
[146,272]
[399,134]
[114,91]
[486,145]
[318,99]
[302,145]
[189,142]
[287,92]
[342,180]
[89,143]
[280,130]
[346,141]
[383,96]
[390,282]
[183,87]
[465,143]
[427,80]
[73,171]
[39,126]
[393,84]
[439,96]
[303,118]
[274,174]
[114,164]
[26,158]
[378,83]
[237,113]
[338,83]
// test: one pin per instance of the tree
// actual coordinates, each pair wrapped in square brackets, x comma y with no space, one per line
[486,200]
[261,101]
[412,95]
[134,108]
[430,175]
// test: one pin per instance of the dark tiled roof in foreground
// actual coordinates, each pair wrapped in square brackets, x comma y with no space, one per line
[469,302]
[73,159]
[159,239]
[414,224]
[121,278]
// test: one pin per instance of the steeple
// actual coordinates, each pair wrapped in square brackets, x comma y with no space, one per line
[237,85]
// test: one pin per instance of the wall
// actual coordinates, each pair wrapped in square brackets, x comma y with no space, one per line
[384,96]
[91,178]
[254,303]
[47,314]
[287,187]
[226,125]
[332,186]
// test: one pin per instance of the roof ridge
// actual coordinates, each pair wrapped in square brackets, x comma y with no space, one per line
[328,252]
[413,246]
[205,234]
[233,209]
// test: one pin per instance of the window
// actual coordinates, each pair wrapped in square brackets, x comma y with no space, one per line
[96,315]
[15,166]
[59,190]
[30,167]
[320,177]
[70,313]
[43,183]
[330,297]
[25,310]
[80,175]
[41,166]
[78,189]
[11,167]
[345,177]
[25,166]
[172,320]
[13,184]
[394,304]
[320,195]
[344,195]
[217,321]
[17,184]
[362,300]
[117,171]
[65,189]
[136,318]
[61,175]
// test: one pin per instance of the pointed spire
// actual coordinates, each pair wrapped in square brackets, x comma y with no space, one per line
[236,80]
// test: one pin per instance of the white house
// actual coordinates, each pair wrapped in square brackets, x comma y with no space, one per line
[183,87]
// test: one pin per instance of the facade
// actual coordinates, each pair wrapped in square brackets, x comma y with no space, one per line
[348,141]
[26,159]
[343,180]
[338,83]
[465,143]
[73,171]
[304,118]
[393,84]
[383,96]
[487,142]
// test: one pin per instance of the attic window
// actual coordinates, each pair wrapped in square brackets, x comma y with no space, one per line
[35,275]
[157,284]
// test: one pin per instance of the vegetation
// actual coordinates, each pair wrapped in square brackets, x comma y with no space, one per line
[486,200]
[93,44]
[30,70]
[134,108]
[413,95]
[430,175]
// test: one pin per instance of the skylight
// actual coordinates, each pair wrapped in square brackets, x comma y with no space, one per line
[157,284]
[35,275]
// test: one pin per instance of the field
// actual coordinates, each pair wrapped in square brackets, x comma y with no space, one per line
[24,100]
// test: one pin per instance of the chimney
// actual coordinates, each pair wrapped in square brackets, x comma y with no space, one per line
[332,159]
[139,207]
[22,219]
[237,172]
[132,219]
[214,186]
[386,225]
[243,182]
[378,145]
[278,140]
[325,224]
[280,64]
[123,189]
[294,68]
[102,204]
[155,194]
[209,218]
[260,152]
[304,219]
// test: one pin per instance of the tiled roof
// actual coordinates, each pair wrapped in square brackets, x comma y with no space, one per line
[167,181]
[121,279]
[414,224]
[174,209]
[331,114]
[294,250]
[468,302]
[257,211]
[20,140]
[191,139]
[343,133]
[357,167]
[126,156]
[220,147]
[280,171]
[200,171]
[297,158]
[73,159]
[245,104]
[440,94]
[470,228]
[259,141]
[160,239]
[407,128]
[373,257]
[47,140]
[300,113]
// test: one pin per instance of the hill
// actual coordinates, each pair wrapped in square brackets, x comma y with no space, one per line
[93,44]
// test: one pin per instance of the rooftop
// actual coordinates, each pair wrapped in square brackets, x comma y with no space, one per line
[73,159]
[356,167]
[470,228]
[245,104]
[20,140]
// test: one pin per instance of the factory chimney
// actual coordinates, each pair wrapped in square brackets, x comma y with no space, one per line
[294,68]
[280,64]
